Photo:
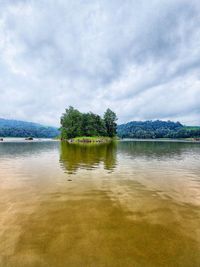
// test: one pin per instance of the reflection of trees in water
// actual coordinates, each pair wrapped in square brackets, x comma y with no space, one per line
[22,149]
[157,149]
[88,156]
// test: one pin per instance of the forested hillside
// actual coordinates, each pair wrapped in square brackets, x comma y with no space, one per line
[93,125]
[156,129]
[15,128]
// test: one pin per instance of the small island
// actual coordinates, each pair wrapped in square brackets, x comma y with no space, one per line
[77,127]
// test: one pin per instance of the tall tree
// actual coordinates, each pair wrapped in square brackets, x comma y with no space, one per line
[71,122]
[110,120]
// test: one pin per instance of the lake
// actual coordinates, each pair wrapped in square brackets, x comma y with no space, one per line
[134,203]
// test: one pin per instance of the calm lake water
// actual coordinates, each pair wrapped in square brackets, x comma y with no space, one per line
[127,204]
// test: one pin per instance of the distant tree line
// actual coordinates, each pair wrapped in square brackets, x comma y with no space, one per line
[14,128]
[156,129]
[75,124]
[37,132]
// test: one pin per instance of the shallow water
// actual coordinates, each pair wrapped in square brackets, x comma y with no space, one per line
[126,204]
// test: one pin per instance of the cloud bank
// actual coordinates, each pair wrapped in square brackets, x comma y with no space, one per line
[140,58]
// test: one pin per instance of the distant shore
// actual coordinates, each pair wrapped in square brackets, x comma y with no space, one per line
[183,140]
[96,140]
[25,140]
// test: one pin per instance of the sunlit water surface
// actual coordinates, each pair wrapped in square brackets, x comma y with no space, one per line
[126,204]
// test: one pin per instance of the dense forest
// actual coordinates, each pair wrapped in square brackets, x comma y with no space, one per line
[15,128]
[76,124]
[156,129]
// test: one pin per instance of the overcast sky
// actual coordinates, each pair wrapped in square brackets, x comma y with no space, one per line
[139,58]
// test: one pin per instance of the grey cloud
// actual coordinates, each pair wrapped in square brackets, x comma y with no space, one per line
[132,56]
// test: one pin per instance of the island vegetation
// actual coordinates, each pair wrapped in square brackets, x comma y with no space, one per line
[88,127]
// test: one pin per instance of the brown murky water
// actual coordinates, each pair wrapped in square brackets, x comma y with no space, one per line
[126,204]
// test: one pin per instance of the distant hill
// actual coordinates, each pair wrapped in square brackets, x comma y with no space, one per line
[133,129]
[15,128]
[157,129]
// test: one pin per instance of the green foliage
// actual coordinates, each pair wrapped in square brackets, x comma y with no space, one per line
[187,133]
[110,119]
[71,122]
[15,128]
[191,128]
[92,125]
[75,124]
[157,129]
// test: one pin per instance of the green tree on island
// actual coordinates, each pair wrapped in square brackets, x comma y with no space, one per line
[71,122]
[76,124]
[110,119]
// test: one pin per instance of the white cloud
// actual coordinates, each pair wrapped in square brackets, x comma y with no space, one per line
[139,58]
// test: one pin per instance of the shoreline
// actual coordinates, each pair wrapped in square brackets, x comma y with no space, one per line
[95,140]
[25,140]
[89,140]
[180,140]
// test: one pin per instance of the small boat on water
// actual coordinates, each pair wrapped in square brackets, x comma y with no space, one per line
[29,138]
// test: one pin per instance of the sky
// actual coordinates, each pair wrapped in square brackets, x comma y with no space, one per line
[139,58]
